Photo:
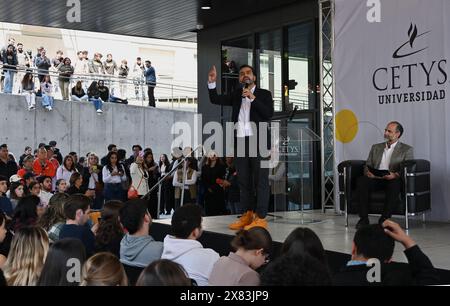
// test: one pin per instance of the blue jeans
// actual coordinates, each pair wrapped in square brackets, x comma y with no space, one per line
[97,103]
[9,81]
[47,101]
[113,192]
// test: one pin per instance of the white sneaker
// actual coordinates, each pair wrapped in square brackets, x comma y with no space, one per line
[49,108]
[99,111]
[31,107]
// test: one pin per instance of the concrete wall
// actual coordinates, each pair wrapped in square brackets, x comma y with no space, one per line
[76,127]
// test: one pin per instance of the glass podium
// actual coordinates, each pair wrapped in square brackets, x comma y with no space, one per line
[291,174]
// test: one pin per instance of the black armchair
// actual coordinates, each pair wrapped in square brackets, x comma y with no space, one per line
[415,198]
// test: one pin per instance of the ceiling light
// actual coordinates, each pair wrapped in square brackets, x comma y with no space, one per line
[206,5]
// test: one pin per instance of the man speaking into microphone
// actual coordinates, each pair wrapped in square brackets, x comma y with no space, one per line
[250,106]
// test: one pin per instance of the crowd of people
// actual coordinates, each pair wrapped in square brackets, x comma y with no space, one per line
[54,210]
[209,181]
[118,250]
[84,79]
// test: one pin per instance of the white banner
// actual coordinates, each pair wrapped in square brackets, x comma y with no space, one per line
[392,62]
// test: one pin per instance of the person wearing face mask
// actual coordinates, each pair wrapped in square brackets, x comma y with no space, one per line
[382,172]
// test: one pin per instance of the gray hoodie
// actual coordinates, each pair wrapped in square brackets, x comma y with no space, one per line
[196,260]
[139,251]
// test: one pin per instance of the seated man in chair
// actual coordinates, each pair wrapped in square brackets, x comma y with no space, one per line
[385,156]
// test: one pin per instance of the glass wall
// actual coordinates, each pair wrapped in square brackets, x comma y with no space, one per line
[235,53]
[300,54]
[285,62]
[270,65]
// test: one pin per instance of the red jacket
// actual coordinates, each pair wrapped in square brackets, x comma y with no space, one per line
[48,169]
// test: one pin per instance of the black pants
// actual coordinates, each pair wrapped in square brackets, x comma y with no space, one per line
[367,185]
[169,196]
[151,95]
[253,178]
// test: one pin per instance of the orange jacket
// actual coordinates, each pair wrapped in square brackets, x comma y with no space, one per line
[47,170]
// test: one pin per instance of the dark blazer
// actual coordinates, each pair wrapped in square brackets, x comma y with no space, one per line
[401,153]
[260,111]
[418,271]
[86,175]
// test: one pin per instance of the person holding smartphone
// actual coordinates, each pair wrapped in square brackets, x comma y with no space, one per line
[93,180]
[113,176]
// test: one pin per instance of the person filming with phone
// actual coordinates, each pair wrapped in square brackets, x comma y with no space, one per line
[382,172]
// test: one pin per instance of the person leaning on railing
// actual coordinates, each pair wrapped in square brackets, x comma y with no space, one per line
[9,64]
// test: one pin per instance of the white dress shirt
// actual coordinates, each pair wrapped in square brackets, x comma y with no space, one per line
[387,154]
[244,127]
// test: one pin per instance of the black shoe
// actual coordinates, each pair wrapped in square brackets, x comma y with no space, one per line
[362,222]
[381,220]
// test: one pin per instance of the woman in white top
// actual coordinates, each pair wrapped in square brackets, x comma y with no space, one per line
[113,176]
[66,170]
[139,176]
[190,179]
[47,90]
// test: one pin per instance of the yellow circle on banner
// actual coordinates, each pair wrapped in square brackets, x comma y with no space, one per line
[346,126]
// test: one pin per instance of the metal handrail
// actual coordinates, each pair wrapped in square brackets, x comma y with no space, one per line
[162,179]
[93,76]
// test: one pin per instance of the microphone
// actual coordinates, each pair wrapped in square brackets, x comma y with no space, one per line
[247,83]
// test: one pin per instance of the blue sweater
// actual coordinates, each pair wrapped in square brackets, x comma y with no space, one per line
[150,75]
[80,232]
[6,206]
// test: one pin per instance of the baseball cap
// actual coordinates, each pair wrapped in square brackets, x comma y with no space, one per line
[14,178]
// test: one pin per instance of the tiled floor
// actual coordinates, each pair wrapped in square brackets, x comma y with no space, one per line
[432,237]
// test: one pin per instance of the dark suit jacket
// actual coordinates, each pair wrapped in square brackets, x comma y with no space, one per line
[401,153]
[261,108]
[260,111]
[418,271]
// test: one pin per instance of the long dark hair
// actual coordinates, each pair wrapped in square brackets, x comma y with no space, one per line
[109,227]
[108,161]
[93,88]
[54,272]
[166,161]
[26,79]
[26,210]
[73,163]
[12,190]
[147,154]
[304,240]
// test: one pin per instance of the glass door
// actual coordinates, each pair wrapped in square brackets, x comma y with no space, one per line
[299,83]
[270,65]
